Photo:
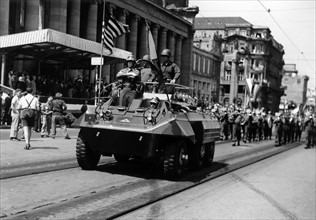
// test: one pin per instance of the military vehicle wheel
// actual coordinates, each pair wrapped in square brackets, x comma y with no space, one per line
[86,158]
[175,159]
[197,157]
[209,153]
[121,158]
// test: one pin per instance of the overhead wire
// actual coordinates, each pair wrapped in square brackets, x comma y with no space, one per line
[286,35]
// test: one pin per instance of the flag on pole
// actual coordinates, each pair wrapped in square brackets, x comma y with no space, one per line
[112,28]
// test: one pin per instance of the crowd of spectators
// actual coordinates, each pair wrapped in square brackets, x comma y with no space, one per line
[47,86]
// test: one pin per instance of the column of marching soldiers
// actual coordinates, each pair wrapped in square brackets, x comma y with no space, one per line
[258,125]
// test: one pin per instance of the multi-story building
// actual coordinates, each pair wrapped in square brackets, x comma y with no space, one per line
[205,74]
[59,37]
[295,85]
[250,52]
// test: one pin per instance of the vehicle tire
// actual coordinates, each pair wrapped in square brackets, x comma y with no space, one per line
[209,153]
[197,156]
[174,160]
[86,158]
[120,158]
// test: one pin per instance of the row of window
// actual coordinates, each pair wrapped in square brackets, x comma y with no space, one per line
[203,65]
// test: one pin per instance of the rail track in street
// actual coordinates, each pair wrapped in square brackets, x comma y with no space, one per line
[113,189]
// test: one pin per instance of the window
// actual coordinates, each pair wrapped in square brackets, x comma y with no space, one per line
[199,63]
[241,75]
[228,75]
[243,32]
[204,64]
[194,62]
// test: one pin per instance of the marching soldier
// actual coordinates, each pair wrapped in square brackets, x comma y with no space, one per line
[237,121]
[248,125]
[285,128]
[299,124]
[269,120]
[278,125]
[260,126]
[291,128]
[309,126]
[224,125]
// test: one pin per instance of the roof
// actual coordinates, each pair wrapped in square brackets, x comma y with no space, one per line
[217,23]
[52,46]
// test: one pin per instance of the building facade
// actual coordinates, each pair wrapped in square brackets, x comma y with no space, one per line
[205,74]
[295,85]
[83,19]
[251,54]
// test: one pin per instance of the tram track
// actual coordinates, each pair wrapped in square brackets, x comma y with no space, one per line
[118,200]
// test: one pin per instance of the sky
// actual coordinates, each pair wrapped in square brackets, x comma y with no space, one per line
[292,23]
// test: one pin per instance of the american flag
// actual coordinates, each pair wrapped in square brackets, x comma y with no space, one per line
[111,30]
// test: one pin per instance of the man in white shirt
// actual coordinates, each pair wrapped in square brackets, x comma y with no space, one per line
[28,105]
[15,115]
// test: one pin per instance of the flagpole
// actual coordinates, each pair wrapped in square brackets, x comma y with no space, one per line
[101,56]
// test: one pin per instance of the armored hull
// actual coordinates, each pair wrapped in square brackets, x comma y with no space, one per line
[172,132]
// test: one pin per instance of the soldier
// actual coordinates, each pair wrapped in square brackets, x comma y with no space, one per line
[237,121]
[128,77]
[224,124]
[170,70]
[254,126]
[299,124]
[147,73]
[278,127]
[247,126]
[47,112]
[269,120]
[285,128]
[310,126]
[291,128]
[260,126]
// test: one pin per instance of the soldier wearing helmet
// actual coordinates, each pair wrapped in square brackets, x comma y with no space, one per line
[148,72]
[128,77]
[170,70]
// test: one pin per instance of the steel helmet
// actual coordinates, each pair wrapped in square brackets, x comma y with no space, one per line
[131,58]
[147,58]
[154,100]
[166,52]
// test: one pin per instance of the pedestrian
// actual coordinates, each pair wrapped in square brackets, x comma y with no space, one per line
[37,125]
[309,126]
[28,105]
[170,70]
[15,115]
[128,77]
[260,126]
[291,129]
[285,128]
[47,111]
[59,107]
[269,120]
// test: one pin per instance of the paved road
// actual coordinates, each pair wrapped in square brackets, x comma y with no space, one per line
[280,187]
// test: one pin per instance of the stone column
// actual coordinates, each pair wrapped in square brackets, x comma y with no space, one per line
[73,22]
[162,40]
[178,50]
[3,67]
[132,39]
[186,59]
[92,20]
[121,41]
[31,15]
[154,32]
[171,43]
[143,41]
[4,18]
[58,15]
[41,15]
[234,81]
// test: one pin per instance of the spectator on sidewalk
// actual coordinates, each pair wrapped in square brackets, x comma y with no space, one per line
[37,124]
[15,114]
[28,105]
[47,112]
[59,107]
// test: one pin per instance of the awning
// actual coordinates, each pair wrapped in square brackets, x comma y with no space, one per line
[50,46]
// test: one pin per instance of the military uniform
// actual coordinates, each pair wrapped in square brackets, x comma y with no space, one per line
[310,127]
[279,131]
[128,76]
[237,128]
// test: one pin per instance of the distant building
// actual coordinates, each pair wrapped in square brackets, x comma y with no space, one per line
[250,52]
[294,84]
[205,75]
